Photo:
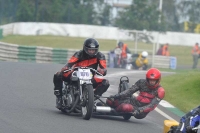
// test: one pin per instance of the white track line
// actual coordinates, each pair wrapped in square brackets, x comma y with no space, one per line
[164,114]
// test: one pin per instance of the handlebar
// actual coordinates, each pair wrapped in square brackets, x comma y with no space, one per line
[76,68]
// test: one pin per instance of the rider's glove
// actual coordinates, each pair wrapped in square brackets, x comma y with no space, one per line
[189,129]
[64,68]
[102,71]
[113,97]
[137,112]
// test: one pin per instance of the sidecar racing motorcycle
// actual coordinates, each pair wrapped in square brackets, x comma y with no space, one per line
[106,109]
[78,95]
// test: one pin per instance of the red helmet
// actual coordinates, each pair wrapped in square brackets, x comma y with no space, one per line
[153,74]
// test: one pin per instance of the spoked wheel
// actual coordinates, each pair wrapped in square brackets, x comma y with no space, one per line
[88,97]
[126,117]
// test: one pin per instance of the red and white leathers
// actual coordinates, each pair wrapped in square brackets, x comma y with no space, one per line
[147,100]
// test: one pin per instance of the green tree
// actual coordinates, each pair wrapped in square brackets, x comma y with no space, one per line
[90,12]
[169,13]
[139,16]
[188,10]
[79,12]
[104,16]
[48,10]
[7,11]
[25,11]
[172,18]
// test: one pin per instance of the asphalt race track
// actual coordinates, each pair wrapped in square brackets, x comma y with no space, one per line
[27,104]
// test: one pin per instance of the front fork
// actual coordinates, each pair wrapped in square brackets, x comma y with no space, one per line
[82,86]
[81,93]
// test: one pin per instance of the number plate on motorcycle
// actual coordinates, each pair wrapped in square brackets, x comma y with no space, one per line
[84,74]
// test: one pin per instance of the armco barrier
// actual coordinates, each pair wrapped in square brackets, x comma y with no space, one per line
[8,52]
[160,61]
[13,52]
[43,54]
[59,56]
[163,61]
[27,53]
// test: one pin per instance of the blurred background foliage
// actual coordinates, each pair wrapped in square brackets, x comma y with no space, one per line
[176,15]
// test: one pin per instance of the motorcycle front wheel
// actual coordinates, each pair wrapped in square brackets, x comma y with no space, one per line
[88,97]
[126,117]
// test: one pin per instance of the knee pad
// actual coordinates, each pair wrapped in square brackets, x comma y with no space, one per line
[111,103]
[125,107]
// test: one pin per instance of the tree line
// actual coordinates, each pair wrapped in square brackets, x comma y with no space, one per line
[140,15]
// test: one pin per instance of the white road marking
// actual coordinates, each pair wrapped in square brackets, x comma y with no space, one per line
[164,114]
[166,104]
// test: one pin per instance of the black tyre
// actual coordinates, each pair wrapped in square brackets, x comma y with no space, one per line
[88,95]
[126,117]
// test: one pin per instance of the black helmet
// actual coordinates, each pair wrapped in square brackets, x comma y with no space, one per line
[120,44]
[91,47]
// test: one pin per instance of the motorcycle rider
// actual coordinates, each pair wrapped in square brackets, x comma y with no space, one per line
[124,49]
[140,61]
[88,57]
[150,94]
[188,121]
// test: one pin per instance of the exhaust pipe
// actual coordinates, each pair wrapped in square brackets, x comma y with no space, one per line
[103,109]
[109,111]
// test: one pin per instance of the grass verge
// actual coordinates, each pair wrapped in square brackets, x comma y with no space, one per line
[182,89]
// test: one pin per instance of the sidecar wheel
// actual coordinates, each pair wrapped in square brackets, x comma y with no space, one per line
[87,109]
[126,117]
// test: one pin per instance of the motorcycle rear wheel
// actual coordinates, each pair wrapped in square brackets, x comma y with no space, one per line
[87,109]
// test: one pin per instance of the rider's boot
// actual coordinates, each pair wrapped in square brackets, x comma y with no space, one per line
[99,104]
[58,84]
[58,99]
